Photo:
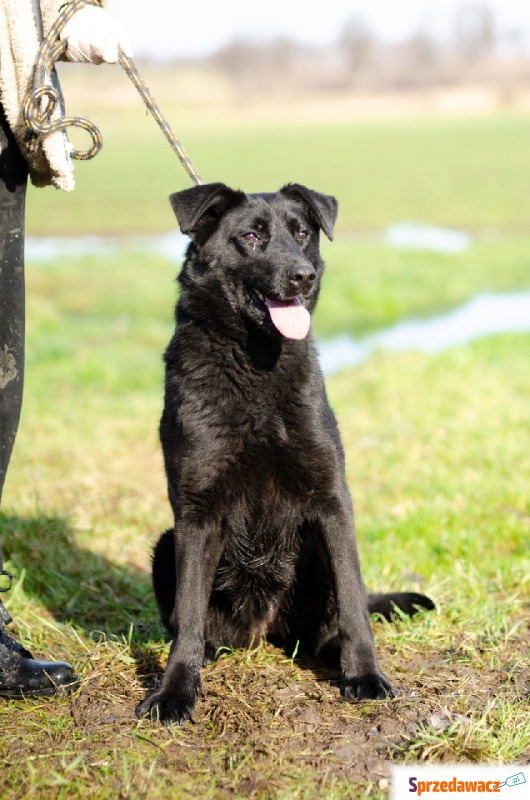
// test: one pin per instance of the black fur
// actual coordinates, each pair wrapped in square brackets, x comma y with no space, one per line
[264,540]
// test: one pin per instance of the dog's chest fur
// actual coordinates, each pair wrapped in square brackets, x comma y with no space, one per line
[252,456]
[238,435]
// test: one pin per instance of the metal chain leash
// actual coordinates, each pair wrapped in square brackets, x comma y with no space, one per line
[43,99]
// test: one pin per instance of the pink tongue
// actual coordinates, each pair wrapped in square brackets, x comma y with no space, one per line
[290,317]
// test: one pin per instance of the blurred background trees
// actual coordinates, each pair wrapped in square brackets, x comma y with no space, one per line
[476,50]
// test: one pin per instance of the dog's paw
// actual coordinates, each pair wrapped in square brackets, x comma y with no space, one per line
[172,703]
[372,686]
[167,707]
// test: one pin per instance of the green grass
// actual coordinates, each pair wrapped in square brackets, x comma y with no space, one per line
[409,453]
[469,173]
[369,285]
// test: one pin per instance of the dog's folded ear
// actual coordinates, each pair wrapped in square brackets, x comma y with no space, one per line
[322,207]
[203,205]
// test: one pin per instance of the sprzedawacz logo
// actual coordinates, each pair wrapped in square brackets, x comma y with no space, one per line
[455,785]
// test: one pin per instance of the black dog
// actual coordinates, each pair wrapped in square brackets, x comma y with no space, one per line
[264,540]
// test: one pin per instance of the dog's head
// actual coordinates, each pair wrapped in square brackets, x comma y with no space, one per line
[258,253]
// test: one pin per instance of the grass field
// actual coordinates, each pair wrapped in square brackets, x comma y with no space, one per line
[438,462]
[465,173]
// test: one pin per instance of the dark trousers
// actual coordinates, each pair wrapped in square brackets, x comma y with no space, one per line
[13,181]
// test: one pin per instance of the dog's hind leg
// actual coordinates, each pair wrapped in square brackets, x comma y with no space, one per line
[309,618]
[384,605]
[164,573]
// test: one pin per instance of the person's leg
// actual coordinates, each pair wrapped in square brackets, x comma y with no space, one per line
[20,673]
[13,179]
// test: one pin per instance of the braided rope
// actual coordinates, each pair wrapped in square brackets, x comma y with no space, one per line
[164,125]
[43,99]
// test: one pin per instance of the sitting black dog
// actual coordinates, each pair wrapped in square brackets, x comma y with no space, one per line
[264,541]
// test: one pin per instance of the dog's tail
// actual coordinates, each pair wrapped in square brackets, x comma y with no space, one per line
[389,605]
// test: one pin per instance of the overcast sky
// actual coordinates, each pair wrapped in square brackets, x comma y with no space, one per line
[173,28]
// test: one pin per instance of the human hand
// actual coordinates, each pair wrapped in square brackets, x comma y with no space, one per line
[93,35]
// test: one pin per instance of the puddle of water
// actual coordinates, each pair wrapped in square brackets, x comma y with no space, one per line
[402,235]
[417,236]
[170,245]
[484,315]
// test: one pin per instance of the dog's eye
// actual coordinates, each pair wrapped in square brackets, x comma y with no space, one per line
[251,236]
[302,234]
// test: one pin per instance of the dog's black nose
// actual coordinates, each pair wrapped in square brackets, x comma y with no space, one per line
[301,276]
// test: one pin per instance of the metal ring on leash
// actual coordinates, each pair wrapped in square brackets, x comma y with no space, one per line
[43,99]
[5,574]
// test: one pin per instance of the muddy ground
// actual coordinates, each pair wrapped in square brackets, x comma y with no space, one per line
[269,727]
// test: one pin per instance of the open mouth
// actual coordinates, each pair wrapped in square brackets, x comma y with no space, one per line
[289,317]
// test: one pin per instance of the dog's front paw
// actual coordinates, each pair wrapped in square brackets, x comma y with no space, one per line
[169,705]
[372,686]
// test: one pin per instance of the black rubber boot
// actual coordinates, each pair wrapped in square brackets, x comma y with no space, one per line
[21,675]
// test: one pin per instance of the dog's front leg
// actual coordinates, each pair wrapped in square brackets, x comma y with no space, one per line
[197,554]
[361,675]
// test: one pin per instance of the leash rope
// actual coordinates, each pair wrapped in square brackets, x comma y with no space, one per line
[43,99]
[163,124]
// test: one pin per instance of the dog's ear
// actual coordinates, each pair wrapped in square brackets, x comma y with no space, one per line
[203,205]
[322,207]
